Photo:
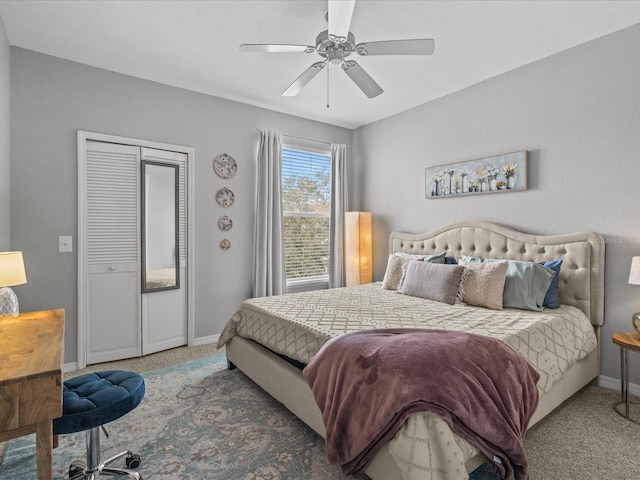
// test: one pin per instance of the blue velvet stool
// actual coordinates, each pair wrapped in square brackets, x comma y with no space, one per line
[90,401]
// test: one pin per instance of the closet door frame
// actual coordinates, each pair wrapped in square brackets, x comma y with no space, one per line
[82,138]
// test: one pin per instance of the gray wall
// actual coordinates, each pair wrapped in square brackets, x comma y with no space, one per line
[5,144]
[578,115]
[52,98]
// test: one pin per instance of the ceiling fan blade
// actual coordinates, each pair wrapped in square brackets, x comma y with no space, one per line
[340,12]
[362,79]
[424,46]
[303,79]
[268,48]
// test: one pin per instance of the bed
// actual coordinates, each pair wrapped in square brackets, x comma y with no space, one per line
[160,278]
[261,342]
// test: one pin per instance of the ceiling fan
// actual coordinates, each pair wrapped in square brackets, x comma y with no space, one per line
[336,44]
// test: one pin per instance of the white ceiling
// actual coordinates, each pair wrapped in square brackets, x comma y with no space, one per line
[194,45]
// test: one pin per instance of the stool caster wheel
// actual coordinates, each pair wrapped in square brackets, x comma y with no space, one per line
[133,461]
[76,472]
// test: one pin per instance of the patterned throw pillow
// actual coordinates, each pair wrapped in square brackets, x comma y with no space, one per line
[482,284]
[394,274]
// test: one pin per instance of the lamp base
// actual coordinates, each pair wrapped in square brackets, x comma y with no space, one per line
[8,302]
[635,321]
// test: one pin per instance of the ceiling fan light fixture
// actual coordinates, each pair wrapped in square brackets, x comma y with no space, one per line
[336,55]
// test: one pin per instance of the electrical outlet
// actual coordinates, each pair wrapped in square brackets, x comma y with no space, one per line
[65,244]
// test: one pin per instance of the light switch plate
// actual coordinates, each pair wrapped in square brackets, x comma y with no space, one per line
[65,244]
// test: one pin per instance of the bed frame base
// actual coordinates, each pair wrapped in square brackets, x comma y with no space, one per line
[285,383]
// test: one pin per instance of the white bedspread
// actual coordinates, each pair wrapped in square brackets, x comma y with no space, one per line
[298,325]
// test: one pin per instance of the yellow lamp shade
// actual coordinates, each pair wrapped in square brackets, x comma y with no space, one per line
[357,226]
[12,269]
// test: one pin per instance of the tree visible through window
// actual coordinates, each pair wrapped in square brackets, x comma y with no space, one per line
[306,203]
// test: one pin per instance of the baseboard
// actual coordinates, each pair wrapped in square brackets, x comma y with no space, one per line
[205,340]
[70,367]
[614,384]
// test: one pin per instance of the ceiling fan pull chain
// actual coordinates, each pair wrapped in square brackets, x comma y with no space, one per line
[327,86]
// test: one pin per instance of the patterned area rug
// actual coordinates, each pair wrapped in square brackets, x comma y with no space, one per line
[199,421]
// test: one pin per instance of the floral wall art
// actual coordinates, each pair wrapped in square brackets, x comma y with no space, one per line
[499,174]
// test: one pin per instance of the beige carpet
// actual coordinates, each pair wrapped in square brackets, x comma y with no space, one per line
[583,439]
[154,361]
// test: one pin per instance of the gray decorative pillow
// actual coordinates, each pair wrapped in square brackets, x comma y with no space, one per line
[482,284]
[432,281]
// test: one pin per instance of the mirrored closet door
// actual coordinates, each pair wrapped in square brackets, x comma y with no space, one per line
[133,283]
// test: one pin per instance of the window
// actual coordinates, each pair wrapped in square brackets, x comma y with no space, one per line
[306,205]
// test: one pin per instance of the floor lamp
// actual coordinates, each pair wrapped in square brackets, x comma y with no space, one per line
[357,226]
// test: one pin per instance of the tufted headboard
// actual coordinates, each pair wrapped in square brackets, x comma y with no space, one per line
[581,282]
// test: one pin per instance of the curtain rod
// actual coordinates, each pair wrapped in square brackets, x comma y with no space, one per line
[303,139]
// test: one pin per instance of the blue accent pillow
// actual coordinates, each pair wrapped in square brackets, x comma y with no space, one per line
[450,261]
[437,258]
[552,298]
[525,285]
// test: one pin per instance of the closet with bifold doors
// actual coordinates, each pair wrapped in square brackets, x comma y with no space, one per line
[133,247]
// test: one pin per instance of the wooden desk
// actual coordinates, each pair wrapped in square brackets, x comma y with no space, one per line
[31,347]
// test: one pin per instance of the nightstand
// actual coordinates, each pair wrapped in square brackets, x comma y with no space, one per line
[626,342]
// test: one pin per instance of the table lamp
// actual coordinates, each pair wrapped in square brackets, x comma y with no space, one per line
[11,274]
[634,279]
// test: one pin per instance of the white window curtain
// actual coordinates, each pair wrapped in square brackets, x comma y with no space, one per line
[339,205]
[268,256]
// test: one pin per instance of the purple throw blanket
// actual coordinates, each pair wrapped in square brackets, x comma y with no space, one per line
[368,383]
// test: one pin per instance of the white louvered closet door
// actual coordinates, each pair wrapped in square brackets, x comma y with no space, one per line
[112,235]
[164,313]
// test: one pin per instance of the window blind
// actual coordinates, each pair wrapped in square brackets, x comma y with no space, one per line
[306,203]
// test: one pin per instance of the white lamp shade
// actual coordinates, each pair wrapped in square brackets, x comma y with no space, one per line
[634,274]
[357,245]
[12,269]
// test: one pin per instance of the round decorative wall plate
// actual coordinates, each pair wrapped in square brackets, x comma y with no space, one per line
[225,244]
[225,166]
[225,197]
[225,223]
